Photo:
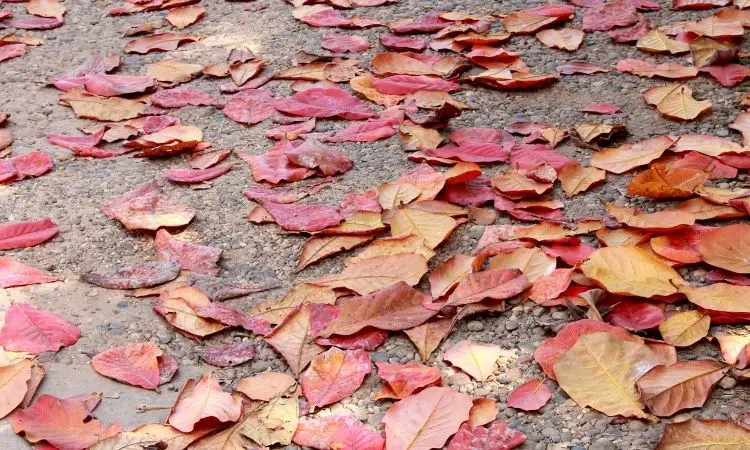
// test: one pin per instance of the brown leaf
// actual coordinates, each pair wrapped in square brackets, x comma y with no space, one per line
[91,106]
[366,276]
[427,337]
[185,16]
[158,42]
[293,339]
[704,434]
[577,179]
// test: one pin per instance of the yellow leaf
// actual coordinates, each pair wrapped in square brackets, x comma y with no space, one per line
[577,179]
[704,435]
[389,246]
[723,297]
[361,222]
[46,8]
[685,328]
[394,194]
[630,271]
[601,370]
[274,423]
[475,358]
[533,262]
[676,101]
[657,42]
[431,227]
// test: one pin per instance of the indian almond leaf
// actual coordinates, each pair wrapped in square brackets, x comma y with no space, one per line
[551,350]
[273,423]
[201,400]
[207,159]
[357,437]
[324,102]
[266,386]
[629,270]
[276,310]
[26,234]
[62,423]
[134,364]
[483,411]
[629,156]
[32,164]
[320,247]
[229,355]
[601,370]
[427,337]
[550,287]
[727,248]
[185,16]
[367,339]
[433,228]
[219,290]
[427,419]
[370,275]
[635,315]
[334,375]
[498,436]
[145,208]
[533,262]
[14,381]
[342,43]
[409,84]
[250,106]
[158,42]
[90,106]
[396,307]
[686,384]
[32,330]
[35,23]
[404,380]
[663,182]
[140,275]
[685,328]
[449,274]
[193,257]
[645,69]
[179,306]
[190,176]
[564,39]
[572,252]
[719,297]
[170,70]
[694,433]
[734,348]
[293,217]
[343,432]
[152,434]
[326,160]
[496,284]
[609,15]
[665,220]
[530,396]
[294,340]
[475,358]
[576,179]
[676,101]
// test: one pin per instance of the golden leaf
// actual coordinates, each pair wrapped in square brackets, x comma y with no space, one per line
[617,237]
[723,297]
[630,271]
[533,262]
[666,220]
[657,42]
[389,246]
[577,179]
[676,101]
[431,227]
[601,370]
[274,423]
[685,328]
[704,435]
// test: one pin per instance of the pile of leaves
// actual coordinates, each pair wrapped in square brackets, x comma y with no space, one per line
[617,274]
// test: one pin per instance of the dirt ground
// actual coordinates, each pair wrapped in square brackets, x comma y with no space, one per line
[73,192]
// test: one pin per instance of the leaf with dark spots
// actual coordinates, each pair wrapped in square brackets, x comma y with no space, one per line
[26,234]
[137,276]
[292,217]
[193,257]
[314,155]
[230,354]
[189,176]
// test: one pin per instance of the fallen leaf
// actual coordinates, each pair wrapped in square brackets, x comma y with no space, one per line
[449,274]
[342,43]
[90,106]
[431,227]
[496,284]
[707,51]
[372,274]
[498,436]
[635,315]
[601,370]
[275,311]
[293,339]
[564,39]
[664,182]
[530,396]
[609,15]
[675,101]
[266,386]
[427,337]
[657,42]
[684,328]
[475,358]
[550,287]
[722,297]
[26,234]
[173,71]
[403,380]
[666,220]
[334,375]
[274,423]
[151,434]
[185,16]
[577,179]
[669,71]
[202,400]
[686,384]
[324,102]
[320,247]
[531,261]
[134,364]
[140,275]
[46,8]
[179,307]
[158,42]
[727,248]
[703,433]
[425,420]
[14,381]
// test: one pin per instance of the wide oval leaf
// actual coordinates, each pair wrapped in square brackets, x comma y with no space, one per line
[334,375]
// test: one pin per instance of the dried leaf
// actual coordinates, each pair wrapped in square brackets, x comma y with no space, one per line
[685,328]
[334,375]
[293,339]
[134,364]
[202,400]
[675,101]
[727,248]
[475,358]
[718,434]
[364,277]
[530,396]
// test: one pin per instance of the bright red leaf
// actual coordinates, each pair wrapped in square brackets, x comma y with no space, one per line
[26,234]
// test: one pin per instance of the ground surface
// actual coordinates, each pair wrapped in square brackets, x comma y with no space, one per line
[73,192]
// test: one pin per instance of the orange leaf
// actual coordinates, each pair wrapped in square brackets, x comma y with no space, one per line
[14,381]
[685,328]
[427,337]
[564,39]
[496,284]
[334,375]
[686,384]
[630,156]
[661,181]
[134,364]
[704,434]
[448,274]
[577,179]
[675,101]
[294,340]
[666,220]
[727,247]
[364,277]
[202,400]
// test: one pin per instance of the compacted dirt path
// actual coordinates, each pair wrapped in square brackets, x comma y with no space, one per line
[74,190]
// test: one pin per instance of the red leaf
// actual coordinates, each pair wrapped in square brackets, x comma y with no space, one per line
[145,208]
[368,339]
[183,96]
[28,329]
[554,348]
[729,277]
[602,108]
[729,75]
[292,217]
[35,23]
[631,34]
[409,84]
[496,284]
[142,275]
[334,375]
[531,156]
[78,144]
[314,155]
[193,257]
[342,43]
[250,106]
[356,438]
[32,164]
[230,354]
[698,4]
[619,13]
[366,201]
[405,379]
[14,273]
[574,67]
[232,317]
[291,131]
[26,234]
[274,166]
[714,167]
[134,364]
[12,51]
[114,85]
[530,396]
[572,252]
[326,18]
[562,12]
[474,135]
[402,43]
[203,400]
[429,23]
[262,194]
[499,436]
[372,130]
[196,175]
[324,102]
[475,192]
[635,315]
[472,152]
[62,422]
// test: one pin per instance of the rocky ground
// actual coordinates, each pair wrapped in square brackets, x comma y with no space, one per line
[72,193]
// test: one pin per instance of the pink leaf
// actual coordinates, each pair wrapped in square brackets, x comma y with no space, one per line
[335,432]
[402,43]
[303,217]
[32,330]
[342,43]
[356,438]
[409,84]
[635,315]
[472,152]
[531,156]
[428,23]
[631,34]
[499,436]
[572,252]
[250,106]
[326,18]
[530,396]
[26,234]
[203,400]
[602,108]
[183,96]
[196,175]
[574,67]
[372,130]
[465,136]
[134,364]
[32,164]
[14,273]
[190,256]
[368,339]
[729,75]
[114,85]
[12,51]
[324,102]
[334,375]
[230,354]
[142,275]
[619,13]
[35,23]
[78,143]
[291,131]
